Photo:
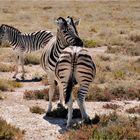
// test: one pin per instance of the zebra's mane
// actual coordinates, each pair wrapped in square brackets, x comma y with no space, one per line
[10,27]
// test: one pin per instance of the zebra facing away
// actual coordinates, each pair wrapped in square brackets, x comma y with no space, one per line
[75,66]
[23,43]
[66,35]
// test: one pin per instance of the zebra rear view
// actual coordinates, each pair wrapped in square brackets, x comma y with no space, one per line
[75,66]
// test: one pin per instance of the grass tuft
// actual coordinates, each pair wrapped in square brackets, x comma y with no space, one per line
[6,68]
[32,59]
[7,85]
[37,110]
[111,106]
[8,132]
[133,110]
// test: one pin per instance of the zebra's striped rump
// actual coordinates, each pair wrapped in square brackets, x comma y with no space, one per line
[75,65]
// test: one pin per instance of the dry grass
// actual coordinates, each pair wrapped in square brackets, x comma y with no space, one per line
[37,110]
[7,85]
[111,106]
[6,68]
[110,127]
[40,94]
[36,94]
[134,110]
[8,132]
[32,58]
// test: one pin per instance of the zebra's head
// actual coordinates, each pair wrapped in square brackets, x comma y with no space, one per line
[67,32]
[73,24]
[2,34]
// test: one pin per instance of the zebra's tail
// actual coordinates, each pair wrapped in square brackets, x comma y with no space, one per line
[69,87]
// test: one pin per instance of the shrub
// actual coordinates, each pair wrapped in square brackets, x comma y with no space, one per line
[90,43]
[40,94]
[7,85]
[111,106]
[110,127]
[132,50]
[105,58]
[119,74]
[134,110]
[37,110]
[36,94]
[134,36]
[8,132]
[98,94]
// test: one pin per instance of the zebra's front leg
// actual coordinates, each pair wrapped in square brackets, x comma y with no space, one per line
[16,66]
[51,93]
[70,111]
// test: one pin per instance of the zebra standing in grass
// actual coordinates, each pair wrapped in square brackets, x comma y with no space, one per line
[23,43]
[75,66]
[66,35]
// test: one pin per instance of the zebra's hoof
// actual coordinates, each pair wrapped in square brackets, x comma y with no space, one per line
[22,77]
[87,121]
[59,105]
[14,77]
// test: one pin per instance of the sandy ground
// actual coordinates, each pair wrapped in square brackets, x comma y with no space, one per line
[15,110]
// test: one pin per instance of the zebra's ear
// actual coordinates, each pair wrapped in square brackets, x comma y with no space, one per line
[77,22]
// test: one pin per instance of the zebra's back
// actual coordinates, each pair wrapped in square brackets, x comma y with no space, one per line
[75,62]
[34,41]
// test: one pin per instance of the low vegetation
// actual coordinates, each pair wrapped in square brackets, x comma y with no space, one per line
[32,58]
[110,127]
[133,110]
[37,110]
[36,94]
[127,50]
[111,106]
[7,85]
[6,68]
[9,132]
[40,94]
[90,43]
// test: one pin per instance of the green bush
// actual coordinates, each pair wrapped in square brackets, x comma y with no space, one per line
[90,43]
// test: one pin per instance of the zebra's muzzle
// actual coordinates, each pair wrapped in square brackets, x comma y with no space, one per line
[78,42]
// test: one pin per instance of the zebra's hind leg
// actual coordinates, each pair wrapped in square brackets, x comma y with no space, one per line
[70,111]
[16,66]
[61,96]
[81,102]
[22,66]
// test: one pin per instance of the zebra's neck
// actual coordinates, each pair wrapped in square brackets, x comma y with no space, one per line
[59,46]
[12,35]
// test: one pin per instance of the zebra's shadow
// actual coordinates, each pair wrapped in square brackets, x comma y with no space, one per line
[28,80]
[57,121]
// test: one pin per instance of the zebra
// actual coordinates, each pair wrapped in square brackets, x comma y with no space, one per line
[66,35]
[23,43]
[75,66]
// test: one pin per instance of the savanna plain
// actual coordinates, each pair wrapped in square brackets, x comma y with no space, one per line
[110,30]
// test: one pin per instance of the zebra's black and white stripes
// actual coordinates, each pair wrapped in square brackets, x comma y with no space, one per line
[75,66]
[23,42]
[66,35]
